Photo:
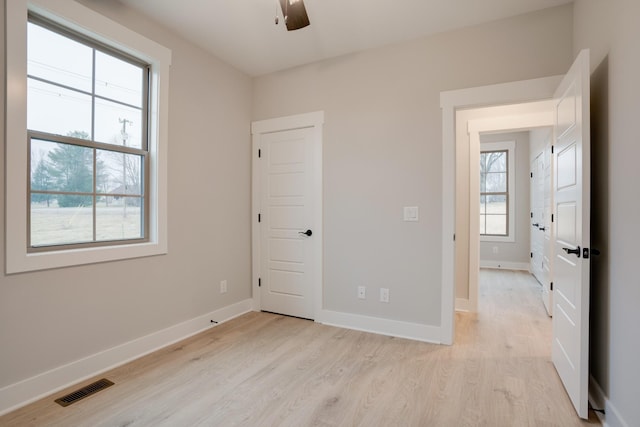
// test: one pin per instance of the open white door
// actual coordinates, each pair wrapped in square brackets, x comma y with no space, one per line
[570,347]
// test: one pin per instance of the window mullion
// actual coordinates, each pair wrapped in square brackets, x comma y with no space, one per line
[95,199]
[93,95]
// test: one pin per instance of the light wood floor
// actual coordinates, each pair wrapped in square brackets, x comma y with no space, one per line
[268,370]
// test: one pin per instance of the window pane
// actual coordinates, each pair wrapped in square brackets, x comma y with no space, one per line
[58,59]
[495,182]
[493,161]
[58,111]
[61,167]
[119,218]
[118,80]
[496,225]
[496,204]
[115,169]
[483,204]
[117,124]
[41,168]
[52,224]
[483,219]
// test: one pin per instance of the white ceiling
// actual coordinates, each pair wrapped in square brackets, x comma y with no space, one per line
[243,32]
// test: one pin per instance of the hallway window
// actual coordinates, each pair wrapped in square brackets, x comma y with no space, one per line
[494,193]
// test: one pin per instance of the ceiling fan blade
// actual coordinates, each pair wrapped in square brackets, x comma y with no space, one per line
[296,14]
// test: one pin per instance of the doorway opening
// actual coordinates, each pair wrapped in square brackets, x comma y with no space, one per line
[451,102]
[510,132]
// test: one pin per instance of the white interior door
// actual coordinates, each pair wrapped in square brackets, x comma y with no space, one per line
[287,222]
[547,252]
[537,216]
[570,346]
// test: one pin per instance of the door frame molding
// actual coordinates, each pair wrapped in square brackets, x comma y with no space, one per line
[450,102]
[314,120]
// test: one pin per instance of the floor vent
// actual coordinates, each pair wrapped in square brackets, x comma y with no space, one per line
[84,392]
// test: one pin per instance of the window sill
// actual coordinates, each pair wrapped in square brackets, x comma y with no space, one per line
[504,239]
[20,263]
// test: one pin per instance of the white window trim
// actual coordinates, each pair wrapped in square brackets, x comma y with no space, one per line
[510,147]
[85,21]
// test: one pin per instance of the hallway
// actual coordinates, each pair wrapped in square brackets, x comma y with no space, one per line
[507,348]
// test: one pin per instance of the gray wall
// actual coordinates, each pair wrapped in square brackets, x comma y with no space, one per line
[612,32]
[382,148]
[517,251]
[51,318]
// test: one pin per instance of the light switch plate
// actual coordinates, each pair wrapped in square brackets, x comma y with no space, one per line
[411,213]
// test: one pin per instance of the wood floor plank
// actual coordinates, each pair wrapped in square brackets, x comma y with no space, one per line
[263,369]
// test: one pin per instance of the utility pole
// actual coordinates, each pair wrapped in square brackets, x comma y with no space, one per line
[124,135]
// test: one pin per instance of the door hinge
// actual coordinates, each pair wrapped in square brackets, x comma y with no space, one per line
[531,214]
[552,149]
[454,237]
[551,217]
[531,254]
[551,285]
[531,174]
[259,153]
[259,217]
[259,282]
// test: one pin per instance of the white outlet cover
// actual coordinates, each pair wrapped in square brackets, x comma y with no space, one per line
[411,213]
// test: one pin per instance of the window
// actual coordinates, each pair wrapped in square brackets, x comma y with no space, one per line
[496,191]
[87,141]
[86,123]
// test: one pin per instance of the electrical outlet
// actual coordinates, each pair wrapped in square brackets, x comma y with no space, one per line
[384,295]
[362,292]
[223,286]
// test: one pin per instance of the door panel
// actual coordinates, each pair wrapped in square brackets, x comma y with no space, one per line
[287,211]
[571,198]
[567,167]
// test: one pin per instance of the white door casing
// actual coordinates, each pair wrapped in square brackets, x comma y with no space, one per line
[287,201]
[570,347]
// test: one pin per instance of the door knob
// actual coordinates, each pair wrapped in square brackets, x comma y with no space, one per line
[575,251]
[541,228]
[306,233]
[536,225]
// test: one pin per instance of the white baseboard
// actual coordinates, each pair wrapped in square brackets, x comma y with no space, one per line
[24,392]
[377,325]
[505,265]
[463,304]
[599,400]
